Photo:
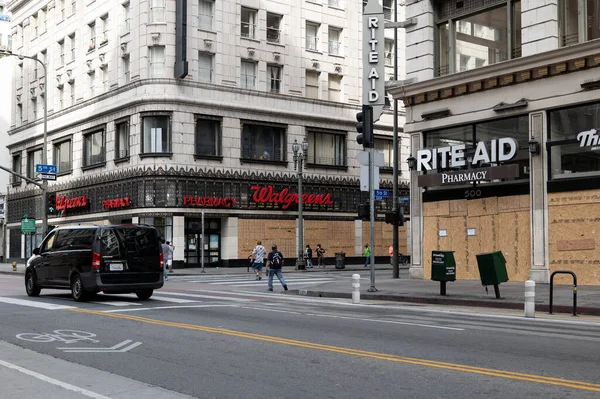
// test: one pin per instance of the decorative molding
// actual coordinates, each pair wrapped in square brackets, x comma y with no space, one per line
[276,55]
[51,5]
[207,43]
[315,63]
[251,51]
[124,47]
[102,58]
[155,36]
[337,67]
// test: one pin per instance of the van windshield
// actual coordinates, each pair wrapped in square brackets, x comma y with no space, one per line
[122,241]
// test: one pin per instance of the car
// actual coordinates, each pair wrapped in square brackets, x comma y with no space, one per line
[113,259]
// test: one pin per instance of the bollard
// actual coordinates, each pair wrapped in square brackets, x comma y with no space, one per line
[529,298]
[356,288]
[14,264]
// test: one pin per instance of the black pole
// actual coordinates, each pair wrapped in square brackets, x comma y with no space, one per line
[395,246]
[497,291]
[551,292]
[442,288]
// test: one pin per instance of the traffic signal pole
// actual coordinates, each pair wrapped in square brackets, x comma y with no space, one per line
[372,204]
[395,205]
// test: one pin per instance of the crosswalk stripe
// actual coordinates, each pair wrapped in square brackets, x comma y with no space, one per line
[172,300]
[117,303]
[33,304]
[260,282]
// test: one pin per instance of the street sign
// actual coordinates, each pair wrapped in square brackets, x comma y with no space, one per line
[382,193]
[363,158]
[373,57]
[364,178]
[46,176]
[27,225]
[404,200]
[41,168]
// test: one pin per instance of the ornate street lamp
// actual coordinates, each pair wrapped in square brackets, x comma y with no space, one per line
[299,158]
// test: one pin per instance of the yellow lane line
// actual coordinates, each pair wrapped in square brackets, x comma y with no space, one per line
[357,352]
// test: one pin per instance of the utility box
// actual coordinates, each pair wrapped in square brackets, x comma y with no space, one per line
[443,266]
[492,268]
[340,260]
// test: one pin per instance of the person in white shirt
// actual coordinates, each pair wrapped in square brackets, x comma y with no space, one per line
[259,255]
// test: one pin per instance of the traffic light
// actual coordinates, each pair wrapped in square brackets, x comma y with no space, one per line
[364,126]
[396,218]
[364,212]
[51,203]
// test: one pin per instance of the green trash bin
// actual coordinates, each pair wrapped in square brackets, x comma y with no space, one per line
[492,269]
[443,268]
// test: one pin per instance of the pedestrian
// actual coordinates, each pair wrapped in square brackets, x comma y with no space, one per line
[391,251]
[308,256]
[259,254]
[170,259]
[320,256]
[165,252]
[367,254]
[274,265]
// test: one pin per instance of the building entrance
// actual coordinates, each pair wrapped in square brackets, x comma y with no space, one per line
[194,242]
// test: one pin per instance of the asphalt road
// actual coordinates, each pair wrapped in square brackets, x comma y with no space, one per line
[210,340]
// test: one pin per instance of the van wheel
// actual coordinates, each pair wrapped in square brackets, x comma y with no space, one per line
[77,291]
[144,294]
[30,285]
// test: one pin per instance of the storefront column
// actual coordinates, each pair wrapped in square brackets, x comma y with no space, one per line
[229,238]
[179,238]
[540,267]
[358,238]
[22,246]
[416,221]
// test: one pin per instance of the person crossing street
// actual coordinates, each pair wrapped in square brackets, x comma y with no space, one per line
[274,265]
[259,255]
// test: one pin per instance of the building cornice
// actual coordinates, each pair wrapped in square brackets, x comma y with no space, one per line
[512,72]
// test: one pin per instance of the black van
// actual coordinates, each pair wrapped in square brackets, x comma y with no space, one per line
[114,259]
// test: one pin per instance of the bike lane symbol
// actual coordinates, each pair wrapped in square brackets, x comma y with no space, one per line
[73,336]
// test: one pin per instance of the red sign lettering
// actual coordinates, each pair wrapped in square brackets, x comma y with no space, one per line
[265,194]
[116,203]
[208,202]
[63,203]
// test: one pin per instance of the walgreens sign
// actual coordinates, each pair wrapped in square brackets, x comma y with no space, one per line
[267,195]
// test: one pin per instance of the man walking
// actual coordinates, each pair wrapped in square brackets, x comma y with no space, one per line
[274,265]
[320,256]
[166,250]
[170,259]
[259,256]
[367,255]
[308,256]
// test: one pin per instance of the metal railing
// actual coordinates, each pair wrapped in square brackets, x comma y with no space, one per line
[568,40]
[574,289]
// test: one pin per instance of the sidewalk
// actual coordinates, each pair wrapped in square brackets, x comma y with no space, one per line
[463,293]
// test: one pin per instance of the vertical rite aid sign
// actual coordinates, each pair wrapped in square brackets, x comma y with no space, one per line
[373,57]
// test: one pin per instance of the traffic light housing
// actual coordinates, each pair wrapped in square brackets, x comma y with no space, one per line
[51,203]
[364,212]
[396,218]
[364,126]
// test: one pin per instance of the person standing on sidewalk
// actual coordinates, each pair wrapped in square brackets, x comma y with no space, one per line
[170,259]
[308,256]
[274,265]
[165,251]
[320,256]
[391,251]
[367,254]
[259,255]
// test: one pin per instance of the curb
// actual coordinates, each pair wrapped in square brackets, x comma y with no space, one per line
[497,304]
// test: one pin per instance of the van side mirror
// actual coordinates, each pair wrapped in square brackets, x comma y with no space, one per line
[36,251]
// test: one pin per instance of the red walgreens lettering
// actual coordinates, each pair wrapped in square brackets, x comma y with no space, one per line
[265,194]
[63,203]
[116,203]
[212,202]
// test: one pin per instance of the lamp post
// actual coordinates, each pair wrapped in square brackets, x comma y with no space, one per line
[300,151]
[44,185]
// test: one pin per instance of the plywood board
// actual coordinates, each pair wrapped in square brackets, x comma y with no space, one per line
[430,243]
[457,234]
[458,207]
[438,208]
[482,206]
[513,203]
[576,245]
[574,197]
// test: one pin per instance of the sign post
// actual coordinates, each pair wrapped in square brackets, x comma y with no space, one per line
[27,225]
[373,95]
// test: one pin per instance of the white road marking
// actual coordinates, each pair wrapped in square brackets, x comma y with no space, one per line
[117,303]
[261,282]
[205,296]
[168,307]
[33,304]
[172,300]
[53,381]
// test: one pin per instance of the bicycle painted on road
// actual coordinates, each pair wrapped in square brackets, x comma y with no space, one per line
[66,336]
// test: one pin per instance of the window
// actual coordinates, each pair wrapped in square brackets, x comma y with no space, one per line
[263,142]
[61,98]
[75,239]
[248,75]
[43,18]
[62,156]
[335,44]
[93,148]
[92,83]
[248,23]
[335,3]
[20,112]
[164,225]
[9,42]
[34,157]
[312,84]
[126,71]
[274,76]
[73,6]
[62,10]
[157,61]
[73,51]
[388,52]
[34,108]
[126,19]
[156,134]
[21,73]
[61,52]
[205,14]
[92,33]
[42,58]
[157,11]
[312,36]
[34,22]
[121,139]
[335,88]
[104,72]
[387,9]
[208,136]
[386,147]
[205,67]
[104,26]
[72,92]
[16,167]
[326,149]
[273,28]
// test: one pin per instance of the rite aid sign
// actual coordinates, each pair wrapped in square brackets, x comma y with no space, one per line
[373,57]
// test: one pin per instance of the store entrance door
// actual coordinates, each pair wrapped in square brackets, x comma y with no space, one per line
[194,242]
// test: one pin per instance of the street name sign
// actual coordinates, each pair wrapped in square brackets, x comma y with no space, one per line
[382,193]
[41,168]
[46,176]
[27,225]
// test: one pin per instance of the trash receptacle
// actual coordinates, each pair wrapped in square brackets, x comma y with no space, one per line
[340,260]
[443,268]
[492,269]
